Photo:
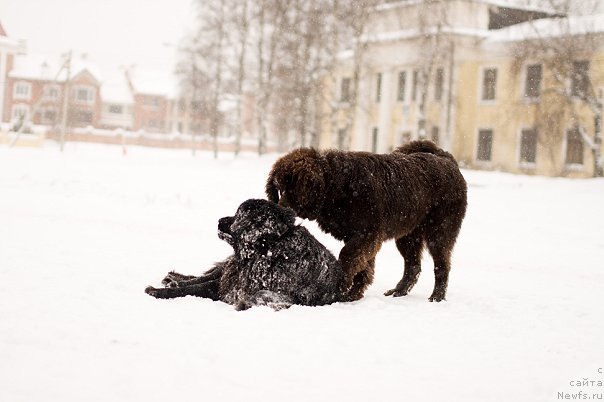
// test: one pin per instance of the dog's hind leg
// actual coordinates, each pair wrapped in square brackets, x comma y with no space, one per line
[440,238]
[410,247]
[208,290]
[172,279]
[175,280]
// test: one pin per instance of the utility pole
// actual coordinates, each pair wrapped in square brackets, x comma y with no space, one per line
[65,101]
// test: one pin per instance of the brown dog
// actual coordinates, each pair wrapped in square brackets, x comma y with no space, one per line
[416,195]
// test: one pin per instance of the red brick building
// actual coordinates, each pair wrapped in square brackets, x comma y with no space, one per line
[36,89]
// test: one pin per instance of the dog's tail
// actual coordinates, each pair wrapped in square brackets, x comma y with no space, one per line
[425,146]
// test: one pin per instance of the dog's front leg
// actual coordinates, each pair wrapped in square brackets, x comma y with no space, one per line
[358,259]
[207,289]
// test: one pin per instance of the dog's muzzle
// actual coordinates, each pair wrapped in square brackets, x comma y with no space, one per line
[224,229]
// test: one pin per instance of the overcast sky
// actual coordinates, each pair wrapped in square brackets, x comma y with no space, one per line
[112,32]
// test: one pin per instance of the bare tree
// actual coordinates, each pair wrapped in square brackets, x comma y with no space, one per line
[240,21]
[355,23]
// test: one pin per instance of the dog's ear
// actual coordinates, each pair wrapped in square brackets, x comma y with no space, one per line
[309,184]
[272,192]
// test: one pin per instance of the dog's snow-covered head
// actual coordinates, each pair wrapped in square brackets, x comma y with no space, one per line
[256,225]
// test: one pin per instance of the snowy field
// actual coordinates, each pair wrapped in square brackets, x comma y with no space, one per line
[84,232]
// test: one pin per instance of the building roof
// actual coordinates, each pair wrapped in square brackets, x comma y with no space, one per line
[513,4]
[153,83]
[115,89]
[550,28]
[393,36]
[41,68]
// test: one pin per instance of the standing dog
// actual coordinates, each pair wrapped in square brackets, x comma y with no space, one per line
[275,263]
[415,195]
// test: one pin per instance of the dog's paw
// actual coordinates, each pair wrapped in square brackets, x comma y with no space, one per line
[437,298]
[171,280]
[396,292]
[151,291]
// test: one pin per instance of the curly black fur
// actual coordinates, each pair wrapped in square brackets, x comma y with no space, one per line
[415,195]
[275,263]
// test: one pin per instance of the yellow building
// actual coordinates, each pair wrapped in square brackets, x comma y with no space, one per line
[501,86]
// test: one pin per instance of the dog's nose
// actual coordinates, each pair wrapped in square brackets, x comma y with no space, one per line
[224,224]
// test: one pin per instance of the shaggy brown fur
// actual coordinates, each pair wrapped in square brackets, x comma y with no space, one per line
[415,195]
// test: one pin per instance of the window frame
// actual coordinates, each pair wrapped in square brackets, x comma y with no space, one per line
[573,165]
[439,84]
[402,86]
[483,88]
[525,87]
[20,96]
[345,94]
[48,87]
[477,150]
[585,80]
[21,106]
[522,163]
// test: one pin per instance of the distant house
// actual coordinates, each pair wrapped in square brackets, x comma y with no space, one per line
[151,94]
[36,86]
[118,104]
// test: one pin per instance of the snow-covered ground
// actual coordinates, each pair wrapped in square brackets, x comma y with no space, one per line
[84,232]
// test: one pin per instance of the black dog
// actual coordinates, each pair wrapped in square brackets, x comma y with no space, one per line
[275,263]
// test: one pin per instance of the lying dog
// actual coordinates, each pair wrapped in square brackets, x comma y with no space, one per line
[275,263]
[415,195]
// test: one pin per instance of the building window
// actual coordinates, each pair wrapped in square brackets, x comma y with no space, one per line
[83,116]
[402,85]
[438,84]
[435,134]
[345,90]
[528,146]
[374,140]
[49,115]
[51,92]
[485,145]
[22,90]
[574,147]
[378,93]
[580,78]
[151,123]
[116,109]
[489,84]
[84,94]
[152,101]
[414,85]
[532,84]
[20,112]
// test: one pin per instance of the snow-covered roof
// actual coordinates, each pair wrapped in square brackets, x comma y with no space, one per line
[550,27]
[413,33]
[154,83]
[116,90]
[525,5]
[41,68]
